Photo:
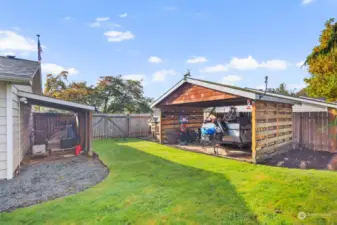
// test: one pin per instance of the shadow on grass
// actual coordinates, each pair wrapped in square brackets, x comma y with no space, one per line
[162,191]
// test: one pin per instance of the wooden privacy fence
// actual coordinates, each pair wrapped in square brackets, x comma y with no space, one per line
[120,125]
[316,131]
[46,124]
[104,125]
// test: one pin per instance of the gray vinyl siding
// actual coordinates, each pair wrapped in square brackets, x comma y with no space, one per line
[16,128]
[3,131]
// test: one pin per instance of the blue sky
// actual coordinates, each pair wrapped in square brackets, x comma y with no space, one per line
[235,42]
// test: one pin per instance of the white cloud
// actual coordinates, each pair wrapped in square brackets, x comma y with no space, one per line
[250,63]
[274,64]
[123,15]
[50,68]
[67,18]
[11,41]
[214,69]
[306,2]
[300,64]
[98,21]
[117,36]
[154,59]
[230,79]
[162,74]
[243,63]
[197,59]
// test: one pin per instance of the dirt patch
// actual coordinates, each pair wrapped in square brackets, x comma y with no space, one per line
[44,181]
[304,160]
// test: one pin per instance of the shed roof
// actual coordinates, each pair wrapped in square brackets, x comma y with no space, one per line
[301,99]
[237,91]
[18,70]
[54,103]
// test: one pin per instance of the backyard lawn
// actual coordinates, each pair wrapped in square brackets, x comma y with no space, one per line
[155,184]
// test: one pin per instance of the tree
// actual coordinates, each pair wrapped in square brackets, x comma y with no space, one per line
[119,95]
[112,94]
[282,89]
[322,63]
[302,92]
[331,41]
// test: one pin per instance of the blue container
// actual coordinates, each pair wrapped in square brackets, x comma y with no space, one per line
[208,130]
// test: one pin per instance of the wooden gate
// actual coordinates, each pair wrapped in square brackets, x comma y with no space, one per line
[120,125]
[103,125]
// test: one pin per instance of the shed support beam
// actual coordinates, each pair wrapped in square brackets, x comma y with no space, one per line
[254,132]
[89,134]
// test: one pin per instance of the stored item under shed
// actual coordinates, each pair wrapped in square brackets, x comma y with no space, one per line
[265,126]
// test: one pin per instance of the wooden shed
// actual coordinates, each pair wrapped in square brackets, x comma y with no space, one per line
[271,117]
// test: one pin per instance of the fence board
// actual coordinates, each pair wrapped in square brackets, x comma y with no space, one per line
[103,125]
[314,131]
[46,124]
[120,125]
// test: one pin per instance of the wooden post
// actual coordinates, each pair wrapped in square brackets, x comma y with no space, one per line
[89,135]
[254,132]
[128,124]
[160,126]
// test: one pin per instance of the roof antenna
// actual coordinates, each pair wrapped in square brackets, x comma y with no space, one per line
[187,74]
[266,86]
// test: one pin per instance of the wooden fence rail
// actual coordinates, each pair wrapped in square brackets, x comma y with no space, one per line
[103,125]
[120,125]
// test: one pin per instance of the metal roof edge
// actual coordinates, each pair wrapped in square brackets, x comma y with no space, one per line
[54,100]
[302,100]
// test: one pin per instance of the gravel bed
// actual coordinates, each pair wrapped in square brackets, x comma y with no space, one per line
[49,180]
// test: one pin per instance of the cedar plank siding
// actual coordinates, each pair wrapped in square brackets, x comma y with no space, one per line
[189,93]
[170,126]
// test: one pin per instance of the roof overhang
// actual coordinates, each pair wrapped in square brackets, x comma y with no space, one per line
[54,103]
[301,100]
[16,79]
[244,93]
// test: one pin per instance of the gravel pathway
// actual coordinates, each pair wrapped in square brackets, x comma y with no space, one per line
[50,180]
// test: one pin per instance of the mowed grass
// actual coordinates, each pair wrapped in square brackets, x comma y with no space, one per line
[155,184]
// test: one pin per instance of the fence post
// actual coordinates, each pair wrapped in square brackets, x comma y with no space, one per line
[128,124]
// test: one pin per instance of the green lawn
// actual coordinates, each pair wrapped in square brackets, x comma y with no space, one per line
[155,184]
